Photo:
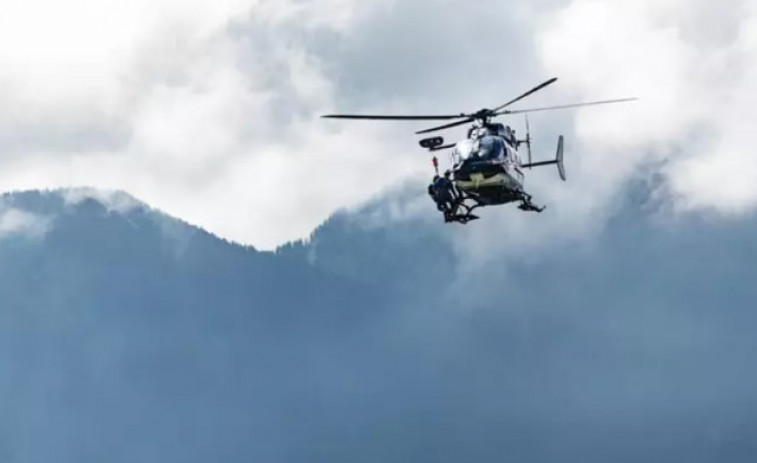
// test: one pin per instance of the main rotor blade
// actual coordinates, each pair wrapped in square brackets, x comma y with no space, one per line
[395,118]
[547,108]
[533,90]
[447,126]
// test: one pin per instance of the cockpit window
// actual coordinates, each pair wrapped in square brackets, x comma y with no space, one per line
[491,147]
[463,150]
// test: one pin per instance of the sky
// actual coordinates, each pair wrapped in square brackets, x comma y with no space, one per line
[209,110]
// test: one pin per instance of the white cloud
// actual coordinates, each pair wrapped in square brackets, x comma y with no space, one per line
[114,201]
[15,222]
[195,110]
[156,98]
[693,63]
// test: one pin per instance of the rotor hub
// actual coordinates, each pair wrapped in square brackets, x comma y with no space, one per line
[484,114]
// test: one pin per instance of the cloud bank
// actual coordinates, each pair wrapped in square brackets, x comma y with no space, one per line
[210,111]
[695,66]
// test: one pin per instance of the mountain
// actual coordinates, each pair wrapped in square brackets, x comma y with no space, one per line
[127,335]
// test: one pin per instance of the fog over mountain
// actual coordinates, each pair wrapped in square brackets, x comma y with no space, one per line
[127,335]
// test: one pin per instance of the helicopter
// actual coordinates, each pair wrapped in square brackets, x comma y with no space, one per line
[487,167]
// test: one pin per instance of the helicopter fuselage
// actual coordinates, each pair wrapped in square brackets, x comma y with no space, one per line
[487,166]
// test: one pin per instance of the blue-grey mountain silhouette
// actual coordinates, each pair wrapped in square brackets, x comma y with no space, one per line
[129,336]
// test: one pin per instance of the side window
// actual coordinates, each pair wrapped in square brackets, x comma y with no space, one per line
[509,152]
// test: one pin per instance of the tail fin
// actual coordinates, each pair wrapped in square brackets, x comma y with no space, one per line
[559,158]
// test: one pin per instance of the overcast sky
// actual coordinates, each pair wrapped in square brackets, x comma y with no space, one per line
[208,110]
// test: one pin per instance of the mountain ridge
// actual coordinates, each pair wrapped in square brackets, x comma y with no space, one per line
[123,339]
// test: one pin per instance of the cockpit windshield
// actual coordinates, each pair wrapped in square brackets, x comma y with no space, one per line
[491,148]
[463,150]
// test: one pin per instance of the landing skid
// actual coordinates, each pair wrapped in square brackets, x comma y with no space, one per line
[527,205]
[461,218]
[463,213]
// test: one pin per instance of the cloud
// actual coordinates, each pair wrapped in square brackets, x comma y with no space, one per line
[694,64]
[113,201]
[188,110]
[16,222]
[210,111]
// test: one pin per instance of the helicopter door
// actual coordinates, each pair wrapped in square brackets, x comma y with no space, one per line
[513,164]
